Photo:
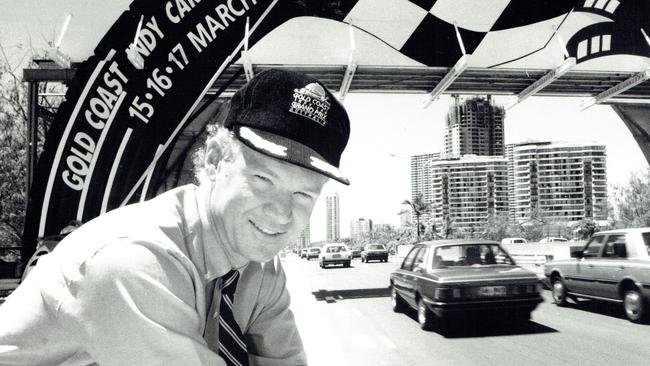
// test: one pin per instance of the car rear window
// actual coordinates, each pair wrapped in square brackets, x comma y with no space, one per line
[376,246]
[314,250]
[335,249]
[469,255]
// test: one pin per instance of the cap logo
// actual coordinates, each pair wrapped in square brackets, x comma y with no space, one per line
[311,102]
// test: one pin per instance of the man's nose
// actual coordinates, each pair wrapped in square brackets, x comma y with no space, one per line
[280,207]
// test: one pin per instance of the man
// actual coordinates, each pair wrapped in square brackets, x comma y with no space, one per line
[152,283]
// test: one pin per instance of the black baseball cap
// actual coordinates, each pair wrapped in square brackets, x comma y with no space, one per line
[290,116]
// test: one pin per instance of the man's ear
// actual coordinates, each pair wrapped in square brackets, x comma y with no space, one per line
[214,156]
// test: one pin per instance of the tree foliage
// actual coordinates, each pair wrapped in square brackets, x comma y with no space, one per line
[418,207]
[14,140]
[13,157]
[632,201]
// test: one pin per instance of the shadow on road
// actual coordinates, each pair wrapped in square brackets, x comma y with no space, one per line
[332,296]
[473,327]
[599,307]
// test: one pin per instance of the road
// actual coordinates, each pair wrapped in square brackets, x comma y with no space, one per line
[345,318]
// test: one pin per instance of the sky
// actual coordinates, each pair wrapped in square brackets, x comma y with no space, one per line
[386,129]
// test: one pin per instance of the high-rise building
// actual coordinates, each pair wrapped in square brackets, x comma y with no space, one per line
[565,181]
[511,180]
[359,227]
[304,240]
[332,227]
[405,218]
[420,179]
[467,189]
[474,127]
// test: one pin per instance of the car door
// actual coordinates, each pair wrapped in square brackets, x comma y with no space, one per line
[585,280]
[612,267]
[403,280]
[418,272]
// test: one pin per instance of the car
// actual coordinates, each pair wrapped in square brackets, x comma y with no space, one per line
[303,253]
[356,253]
[313,252]
[552,239]
[453,279]
[335,253]
[612,266]
[374,252]
[513,241]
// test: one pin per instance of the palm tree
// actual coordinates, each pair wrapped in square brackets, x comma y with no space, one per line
[419,207]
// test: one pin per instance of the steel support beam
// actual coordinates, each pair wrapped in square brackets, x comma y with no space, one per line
[545,80]
[37,75]
[347,79]
[448,79]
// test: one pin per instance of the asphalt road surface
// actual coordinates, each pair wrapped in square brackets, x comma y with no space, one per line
[345,318]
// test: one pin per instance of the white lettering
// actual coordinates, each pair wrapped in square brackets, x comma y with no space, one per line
[201,41]
[222,10]
[75,183]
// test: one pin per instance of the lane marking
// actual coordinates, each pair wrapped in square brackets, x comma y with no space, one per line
[387,342]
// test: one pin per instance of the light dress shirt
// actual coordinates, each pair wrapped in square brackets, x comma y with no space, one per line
[141,285]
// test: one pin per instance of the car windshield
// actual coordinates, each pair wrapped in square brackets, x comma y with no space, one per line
[376,246]
[470,255]
[335,249]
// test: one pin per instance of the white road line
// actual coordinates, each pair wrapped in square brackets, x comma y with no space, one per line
[387,342]
[363,341]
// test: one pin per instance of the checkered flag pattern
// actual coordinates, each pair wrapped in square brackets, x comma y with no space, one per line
[425,30]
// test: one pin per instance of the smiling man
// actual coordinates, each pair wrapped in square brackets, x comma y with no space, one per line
[190,277]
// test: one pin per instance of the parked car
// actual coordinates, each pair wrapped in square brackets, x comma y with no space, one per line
[513,241]
[313,252]
[303,253]
[444,278]
[613,266]
[374,252]
[552,239]
[335,253]
[356,253]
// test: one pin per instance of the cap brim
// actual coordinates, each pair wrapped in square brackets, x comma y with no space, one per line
[288,150]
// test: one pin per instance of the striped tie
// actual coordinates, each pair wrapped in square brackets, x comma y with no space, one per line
[231,344]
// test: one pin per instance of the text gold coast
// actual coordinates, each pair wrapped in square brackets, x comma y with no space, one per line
[98,112]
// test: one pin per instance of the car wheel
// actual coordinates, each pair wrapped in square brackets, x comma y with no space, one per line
[347,264]
[559,292]
[634,306]
[396,301]
[362,260]
[425,316]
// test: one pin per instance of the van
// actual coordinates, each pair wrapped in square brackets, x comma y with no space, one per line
[513,241]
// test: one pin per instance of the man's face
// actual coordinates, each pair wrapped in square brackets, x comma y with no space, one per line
[260,204]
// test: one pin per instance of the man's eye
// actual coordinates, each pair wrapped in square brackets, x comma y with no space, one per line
[303,195]
[262,178]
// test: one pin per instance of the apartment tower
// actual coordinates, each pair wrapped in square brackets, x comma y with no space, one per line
[332,227]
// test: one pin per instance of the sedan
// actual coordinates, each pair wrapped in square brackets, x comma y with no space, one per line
[375,252]
[335,254]
[446,278]
[613,266]
[313,252]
